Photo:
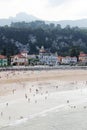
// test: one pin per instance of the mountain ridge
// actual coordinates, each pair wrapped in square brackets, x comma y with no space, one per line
[22,16]
[18,18]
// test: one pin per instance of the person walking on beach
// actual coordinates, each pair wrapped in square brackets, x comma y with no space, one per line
[1,113]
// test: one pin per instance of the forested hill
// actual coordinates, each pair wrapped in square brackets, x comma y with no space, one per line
[31,36]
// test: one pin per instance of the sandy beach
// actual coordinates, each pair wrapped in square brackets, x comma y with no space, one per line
[43,100]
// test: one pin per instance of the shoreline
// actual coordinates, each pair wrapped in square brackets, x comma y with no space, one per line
[42,68]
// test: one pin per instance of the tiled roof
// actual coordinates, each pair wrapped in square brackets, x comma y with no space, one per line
[3,57]
[19,56]
[82,55]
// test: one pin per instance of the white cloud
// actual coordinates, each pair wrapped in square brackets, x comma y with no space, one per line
[55,3]
[45,9]
[69,9]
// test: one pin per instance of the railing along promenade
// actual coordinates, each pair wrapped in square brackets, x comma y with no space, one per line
[26,68]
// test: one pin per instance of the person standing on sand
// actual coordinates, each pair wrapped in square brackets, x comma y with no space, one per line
[1,113]
[7,104]
[26,96]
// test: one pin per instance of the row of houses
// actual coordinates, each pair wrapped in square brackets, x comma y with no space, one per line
[43,58]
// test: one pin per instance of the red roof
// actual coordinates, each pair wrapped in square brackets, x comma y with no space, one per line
[19,56]
[82,55]
[3,57]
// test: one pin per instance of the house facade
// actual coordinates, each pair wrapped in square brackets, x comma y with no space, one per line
[83,57]
[47,58]
[68,60]
[20,59]
[3,60]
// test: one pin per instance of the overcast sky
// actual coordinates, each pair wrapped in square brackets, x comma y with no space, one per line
[45,9]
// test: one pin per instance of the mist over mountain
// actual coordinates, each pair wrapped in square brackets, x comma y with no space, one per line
[80,23]
[23,17]
[18,18]
[29,18]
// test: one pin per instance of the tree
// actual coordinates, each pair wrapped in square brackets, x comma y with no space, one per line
[58,26]
[74,51]
[4,52]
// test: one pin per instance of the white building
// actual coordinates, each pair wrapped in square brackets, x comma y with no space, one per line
[68,60]
[73,59]
[20,59]
[47,58]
